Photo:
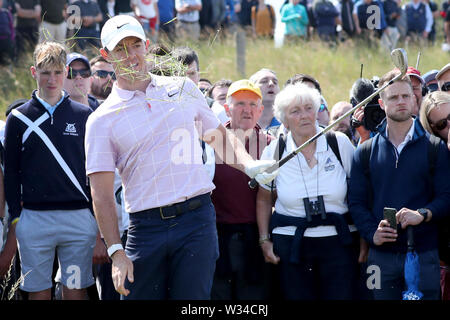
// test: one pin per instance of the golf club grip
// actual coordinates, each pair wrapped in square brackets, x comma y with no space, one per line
[253,183]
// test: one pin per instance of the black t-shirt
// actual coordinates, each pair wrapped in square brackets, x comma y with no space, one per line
[27,22]
[447,15]
[93,102]
[89,9]
[52,11]
[245,15]
[390,7]
[123,6]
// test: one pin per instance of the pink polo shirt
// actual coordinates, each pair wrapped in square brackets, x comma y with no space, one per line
[153,140]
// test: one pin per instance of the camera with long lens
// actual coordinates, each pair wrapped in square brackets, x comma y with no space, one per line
[373,114]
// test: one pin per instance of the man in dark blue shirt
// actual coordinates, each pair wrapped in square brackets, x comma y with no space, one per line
[90,17]
[397,175]
[45,181]
[166,14]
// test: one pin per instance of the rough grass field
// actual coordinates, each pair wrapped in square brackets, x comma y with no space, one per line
[335,69]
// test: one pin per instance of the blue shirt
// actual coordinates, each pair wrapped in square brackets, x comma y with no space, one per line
[166,8]
[273,123]
[191,16]
[296,19]
[48,106]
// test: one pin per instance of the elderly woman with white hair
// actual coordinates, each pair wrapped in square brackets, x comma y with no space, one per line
[309,234]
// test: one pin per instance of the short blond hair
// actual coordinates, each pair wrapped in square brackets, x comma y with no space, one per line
[429,102]
[50,54]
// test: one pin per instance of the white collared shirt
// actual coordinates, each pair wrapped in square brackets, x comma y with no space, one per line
[152,138]
[327,174]
[408,138]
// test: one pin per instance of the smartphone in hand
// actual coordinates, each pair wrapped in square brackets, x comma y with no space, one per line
[389,215]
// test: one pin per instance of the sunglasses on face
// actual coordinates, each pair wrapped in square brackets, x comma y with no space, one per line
[446,86]
[103,74]
[433,87]
[322,108]
[73,73]
[442,124]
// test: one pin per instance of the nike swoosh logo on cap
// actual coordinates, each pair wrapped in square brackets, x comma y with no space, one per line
[118,27]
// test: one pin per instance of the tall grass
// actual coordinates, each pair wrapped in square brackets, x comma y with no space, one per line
[336,69]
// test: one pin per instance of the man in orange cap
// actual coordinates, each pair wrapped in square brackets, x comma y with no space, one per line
[241,273]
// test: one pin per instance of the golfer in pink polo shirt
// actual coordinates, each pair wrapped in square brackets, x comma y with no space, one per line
[148,128]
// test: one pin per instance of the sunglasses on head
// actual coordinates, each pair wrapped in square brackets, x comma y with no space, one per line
[103,74]
[322,107]
[445,86]
[442,124]
[73,73]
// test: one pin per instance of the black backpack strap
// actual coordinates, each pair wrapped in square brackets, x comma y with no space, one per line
[366,150]
[269,7]
[433,149]
[280,147]
[117,195]
[204,155]
[332,142]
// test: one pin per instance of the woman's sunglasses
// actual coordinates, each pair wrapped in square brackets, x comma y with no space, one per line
[446,86]
[73,73]
[103,74]
[441,124]
[322,107]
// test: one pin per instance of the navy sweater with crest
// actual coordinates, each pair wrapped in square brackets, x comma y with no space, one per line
[33,176]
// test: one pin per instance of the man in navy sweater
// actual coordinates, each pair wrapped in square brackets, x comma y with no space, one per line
[46,184]
[399,178]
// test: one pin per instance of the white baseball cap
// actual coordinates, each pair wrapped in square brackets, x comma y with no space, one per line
[442,71]
[118,28]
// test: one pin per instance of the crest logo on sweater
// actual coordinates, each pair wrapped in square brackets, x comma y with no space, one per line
[70,130]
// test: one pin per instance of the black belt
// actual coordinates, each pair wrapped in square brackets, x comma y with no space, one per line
[176,209]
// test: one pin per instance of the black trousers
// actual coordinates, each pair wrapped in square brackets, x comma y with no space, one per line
[326,271]
[26,39]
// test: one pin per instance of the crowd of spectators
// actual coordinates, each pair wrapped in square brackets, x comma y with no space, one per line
[25,23]
[311,233]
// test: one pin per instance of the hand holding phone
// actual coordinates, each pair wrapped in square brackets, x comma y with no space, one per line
[389,215]
[384,234]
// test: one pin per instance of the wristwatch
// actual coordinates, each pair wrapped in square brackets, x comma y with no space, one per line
[115,247]
[264,238]
[424,213]
[355,123]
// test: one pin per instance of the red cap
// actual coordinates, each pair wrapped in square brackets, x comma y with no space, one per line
[415,73]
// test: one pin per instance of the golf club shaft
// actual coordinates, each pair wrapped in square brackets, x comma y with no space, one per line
[253,183]
[418,60]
